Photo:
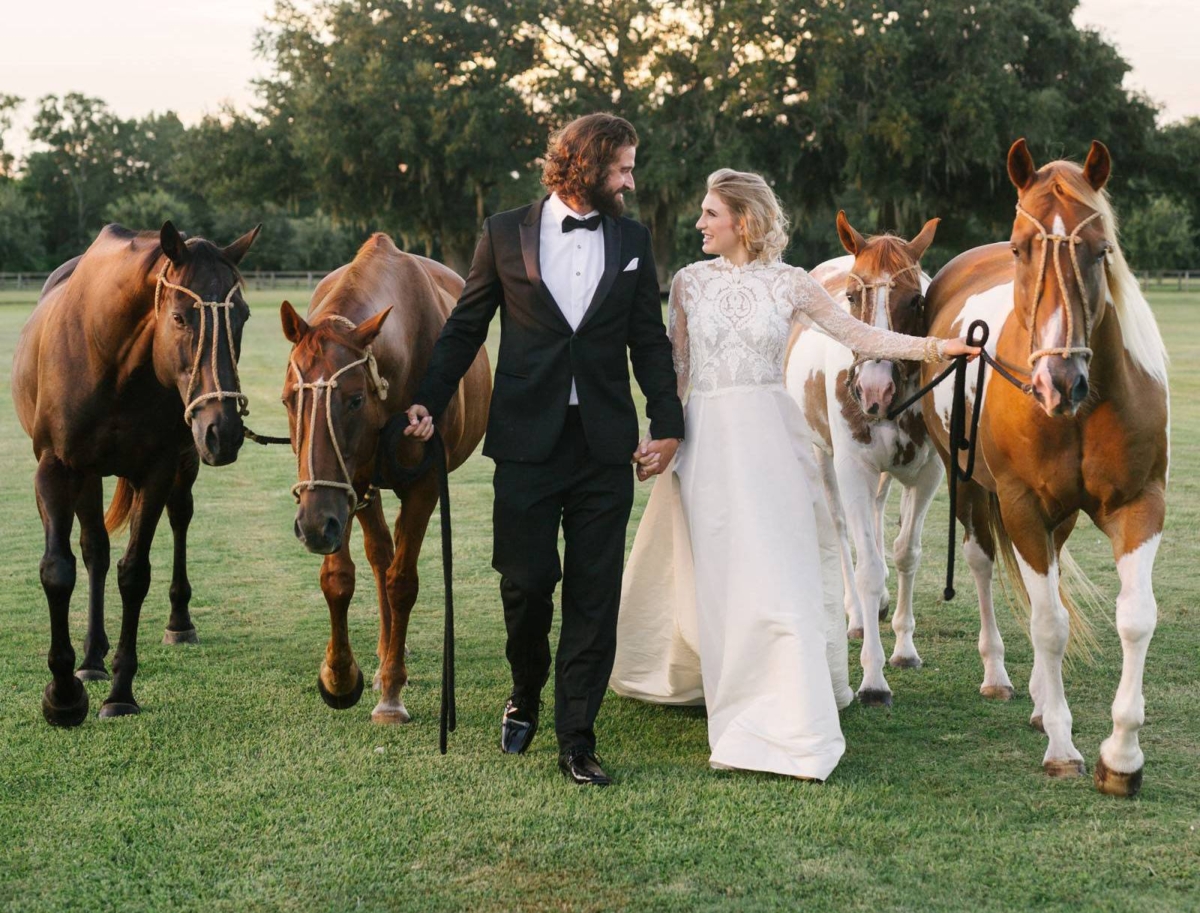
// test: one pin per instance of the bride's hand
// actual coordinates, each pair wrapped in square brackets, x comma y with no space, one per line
[959,346]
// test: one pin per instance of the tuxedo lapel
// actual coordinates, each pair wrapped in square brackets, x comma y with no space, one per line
[531,249]
[612,263]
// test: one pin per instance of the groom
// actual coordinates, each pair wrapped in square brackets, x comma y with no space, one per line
[575,285]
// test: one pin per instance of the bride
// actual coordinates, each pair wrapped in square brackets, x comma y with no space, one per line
[723,600]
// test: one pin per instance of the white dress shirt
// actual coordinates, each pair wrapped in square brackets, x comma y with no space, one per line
[571,264]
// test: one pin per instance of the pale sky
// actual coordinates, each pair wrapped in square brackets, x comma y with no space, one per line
[153,55]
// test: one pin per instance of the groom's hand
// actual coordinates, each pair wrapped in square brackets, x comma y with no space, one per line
[420,422]
[652,457]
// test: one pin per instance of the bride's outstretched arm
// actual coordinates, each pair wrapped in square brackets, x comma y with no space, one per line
[677,331]
[810,298]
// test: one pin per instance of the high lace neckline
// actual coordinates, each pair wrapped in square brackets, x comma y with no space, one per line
[725,265]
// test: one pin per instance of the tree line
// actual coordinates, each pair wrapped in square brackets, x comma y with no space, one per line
[421,117]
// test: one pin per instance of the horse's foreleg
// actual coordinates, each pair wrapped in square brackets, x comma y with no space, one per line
[402,587]
[1136,534]
[64,701]
[906,552]
[133,579]
[838,516]
[340,681]
[979,550]
[881,498]
[859,487]
[180,629]
[1050,629]
[377,542]
[94,544]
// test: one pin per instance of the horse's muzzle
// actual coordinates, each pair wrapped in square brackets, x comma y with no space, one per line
[875,388]
[218,435]
[1060,385]
[321,531]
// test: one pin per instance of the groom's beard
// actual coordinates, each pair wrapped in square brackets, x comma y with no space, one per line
[608,202]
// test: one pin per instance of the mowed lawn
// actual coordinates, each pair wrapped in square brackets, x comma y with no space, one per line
[238,789]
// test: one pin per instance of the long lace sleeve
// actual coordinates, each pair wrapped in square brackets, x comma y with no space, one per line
[811,299]
[677,332]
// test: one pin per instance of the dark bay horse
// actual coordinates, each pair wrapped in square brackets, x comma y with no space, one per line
[859,451]
[127,367]
[1067,314]
[356,362]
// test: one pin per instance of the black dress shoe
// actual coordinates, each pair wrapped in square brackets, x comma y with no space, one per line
[581,766]
[517,728]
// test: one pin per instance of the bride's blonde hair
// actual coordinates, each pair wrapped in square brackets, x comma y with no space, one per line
[754,205]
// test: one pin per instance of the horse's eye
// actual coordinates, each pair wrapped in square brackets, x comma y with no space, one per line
[178,318]
[1015,251]
[355,403]
[1103,252]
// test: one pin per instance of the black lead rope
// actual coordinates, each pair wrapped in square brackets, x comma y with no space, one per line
[264,439]
[977,335]
[389,473]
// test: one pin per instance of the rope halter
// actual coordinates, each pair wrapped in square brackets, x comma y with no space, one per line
[869,312]
[1051,249]
[211,308]
[323,389]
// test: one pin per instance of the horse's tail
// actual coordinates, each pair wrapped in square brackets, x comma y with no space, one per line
[119,507]
[1079,595]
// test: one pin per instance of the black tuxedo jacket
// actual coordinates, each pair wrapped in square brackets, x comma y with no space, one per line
[539,353]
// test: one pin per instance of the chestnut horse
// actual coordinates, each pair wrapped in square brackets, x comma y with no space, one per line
[355,363]
[127,367]
[1090,435]
[845,401]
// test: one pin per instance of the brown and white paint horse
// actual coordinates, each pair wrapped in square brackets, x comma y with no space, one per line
[356,361]
[1065,311]
[859,451]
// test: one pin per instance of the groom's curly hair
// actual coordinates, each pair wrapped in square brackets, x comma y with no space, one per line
[579,155]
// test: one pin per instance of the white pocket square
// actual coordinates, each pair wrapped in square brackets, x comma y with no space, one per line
[631,266]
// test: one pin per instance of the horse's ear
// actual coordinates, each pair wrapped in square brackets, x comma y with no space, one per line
[918,245]
[294,327]
[172,243]
[366,331]
[235,251]
[851,239]
[1098,165]
[1021,169]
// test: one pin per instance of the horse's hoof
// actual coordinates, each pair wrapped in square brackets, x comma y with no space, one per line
[999,693]
[874,698]
[390,714]
[1064,770]
[180,637]
[110,710]
[855,634]
[1035,722]
[341,701]
[71,713]
[92,675]
[1111,783]
[905,662]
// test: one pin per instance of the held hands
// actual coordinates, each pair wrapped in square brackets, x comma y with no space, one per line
[652,457]
[959,347]
[420,422]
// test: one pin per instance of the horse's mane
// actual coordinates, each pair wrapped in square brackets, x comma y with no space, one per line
[1139,329]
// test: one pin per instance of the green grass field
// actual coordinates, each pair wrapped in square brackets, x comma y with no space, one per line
[238,789]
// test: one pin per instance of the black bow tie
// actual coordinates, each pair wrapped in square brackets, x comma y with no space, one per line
[591,223]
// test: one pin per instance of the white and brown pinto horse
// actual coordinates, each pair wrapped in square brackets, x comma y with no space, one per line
[845,400]
[1066,312]
[356,362]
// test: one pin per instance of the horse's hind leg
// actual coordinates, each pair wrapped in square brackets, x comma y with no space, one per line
[180,629]
[340,680]
[1135,534]
[403,586]
[838,516]
[979,550]
[94,544]
[906,552]
[64,702]
[377,542]
[881,499]
[133,579]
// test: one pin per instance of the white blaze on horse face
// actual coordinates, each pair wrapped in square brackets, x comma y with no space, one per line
[992,307]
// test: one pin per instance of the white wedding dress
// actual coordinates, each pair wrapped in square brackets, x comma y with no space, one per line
[732,594]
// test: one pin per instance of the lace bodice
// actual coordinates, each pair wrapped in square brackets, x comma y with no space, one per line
[729,325]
